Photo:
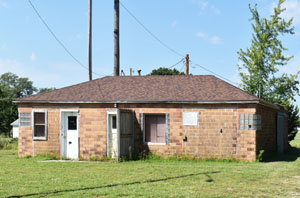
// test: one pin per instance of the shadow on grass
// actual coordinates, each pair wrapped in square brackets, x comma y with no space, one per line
[121,184]
[291,155]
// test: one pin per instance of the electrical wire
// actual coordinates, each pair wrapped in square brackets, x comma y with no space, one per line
[181,60]
[148,31]
[222,77]
[57,39]
[169,48]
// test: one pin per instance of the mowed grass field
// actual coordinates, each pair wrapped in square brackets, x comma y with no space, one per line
[279,176]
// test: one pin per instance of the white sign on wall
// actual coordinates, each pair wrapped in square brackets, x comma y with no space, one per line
[190,118]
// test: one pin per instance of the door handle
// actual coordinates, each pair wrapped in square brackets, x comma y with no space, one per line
[70,142]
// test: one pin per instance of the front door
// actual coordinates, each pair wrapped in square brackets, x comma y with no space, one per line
[70,136]
[114,136]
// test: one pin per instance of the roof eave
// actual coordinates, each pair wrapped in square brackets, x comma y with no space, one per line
[262,102]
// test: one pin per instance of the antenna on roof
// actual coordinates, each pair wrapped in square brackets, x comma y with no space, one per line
[90,39]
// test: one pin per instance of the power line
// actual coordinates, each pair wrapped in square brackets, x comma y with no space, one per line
[222,77]
[149,32]
[56,38]
[181,60]
[169,48]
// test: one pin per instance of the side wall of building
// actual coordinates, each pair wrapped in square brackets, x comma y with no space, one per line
[217,134]
[266,138]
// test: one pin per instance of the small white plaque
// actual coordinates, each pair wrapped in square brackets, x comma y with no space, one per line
[190,118]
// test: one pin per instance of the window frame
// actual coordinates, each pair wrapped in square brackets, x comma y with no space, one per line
[144,127]
[45,137]
[28,122]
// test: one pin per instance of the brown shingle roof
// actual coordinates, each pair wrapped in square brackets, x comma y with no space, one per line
[204,88]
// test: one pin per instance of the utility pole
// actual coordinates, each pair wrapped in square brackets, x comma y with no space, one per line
[117,43]
[90,40]
[187,59]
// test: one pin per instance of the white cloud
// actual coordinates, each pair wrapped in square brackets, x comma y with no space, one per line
[205,5]
[201,35]
[292,10]
[212,39]
[3,4]
[33,57]
[215,40]
[174,23]
[215,10]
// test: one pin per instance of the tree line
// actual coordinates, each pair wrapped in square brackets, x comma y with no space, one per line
[13,86]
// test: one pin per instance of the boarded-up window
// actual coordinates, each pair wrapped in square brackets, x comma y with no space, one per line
[155,128]
[25,119]
[40,125]
[189,118]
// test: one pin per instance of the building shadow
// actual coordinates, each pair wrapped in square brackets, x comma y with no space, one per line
[292,154]
[40,194]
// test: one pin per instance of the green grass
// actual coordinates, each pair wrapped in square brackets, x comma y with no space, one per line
[29,177]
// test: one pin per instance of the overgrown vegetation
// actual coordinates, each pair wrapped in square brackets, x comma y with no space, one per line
[8,143]
[261,62]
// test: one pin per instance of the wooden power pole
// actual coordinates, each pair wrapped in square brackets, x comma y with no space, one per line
[187,59]
[90,40]
[117,43]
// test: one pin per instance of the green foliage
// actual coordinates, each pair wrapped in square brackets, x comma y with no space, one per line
[8,143]
[294,121]
[166,71]
[11,86]
[15,87]
[260,155]
[261,61]
[43,90]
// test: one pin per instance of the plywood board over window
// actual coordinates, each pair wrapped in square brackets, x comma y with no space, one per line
[190,118]
[155,126]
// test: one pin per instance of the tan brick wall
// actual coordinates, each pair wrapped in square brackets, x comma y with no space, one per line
[267,137]
[204,140]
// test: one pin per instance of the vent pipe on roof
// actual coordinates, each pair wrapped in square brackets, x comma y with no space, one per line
[139,72]
[187,64]
[130,71]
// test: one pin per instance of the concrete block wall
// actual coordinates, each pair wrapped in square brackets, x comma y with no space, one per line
[203,141]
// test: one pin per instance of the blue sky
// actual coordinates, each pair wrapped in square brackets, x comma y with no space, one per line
[211,31]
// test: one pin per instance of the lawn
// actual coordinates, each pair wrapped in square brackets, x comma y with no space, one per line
[279,177]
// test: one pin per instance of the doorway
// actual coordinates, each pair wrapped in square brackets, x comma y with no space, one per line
[69,137]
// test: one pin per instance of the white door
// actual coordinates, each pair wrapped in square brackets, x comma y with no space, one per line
[114,136]
[70,136]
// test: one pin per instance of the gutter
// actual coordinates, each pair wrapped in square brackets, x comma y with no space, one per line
[262,102]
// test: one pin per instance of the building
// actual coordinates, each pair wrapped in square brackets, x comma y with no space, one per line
[199,116]
[15,128]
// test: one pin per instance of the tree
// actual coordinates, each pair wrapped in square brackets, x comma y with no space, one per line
[294,121]
[259,71]
[11,86]
[43,90]
[166,71]
[15,87]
